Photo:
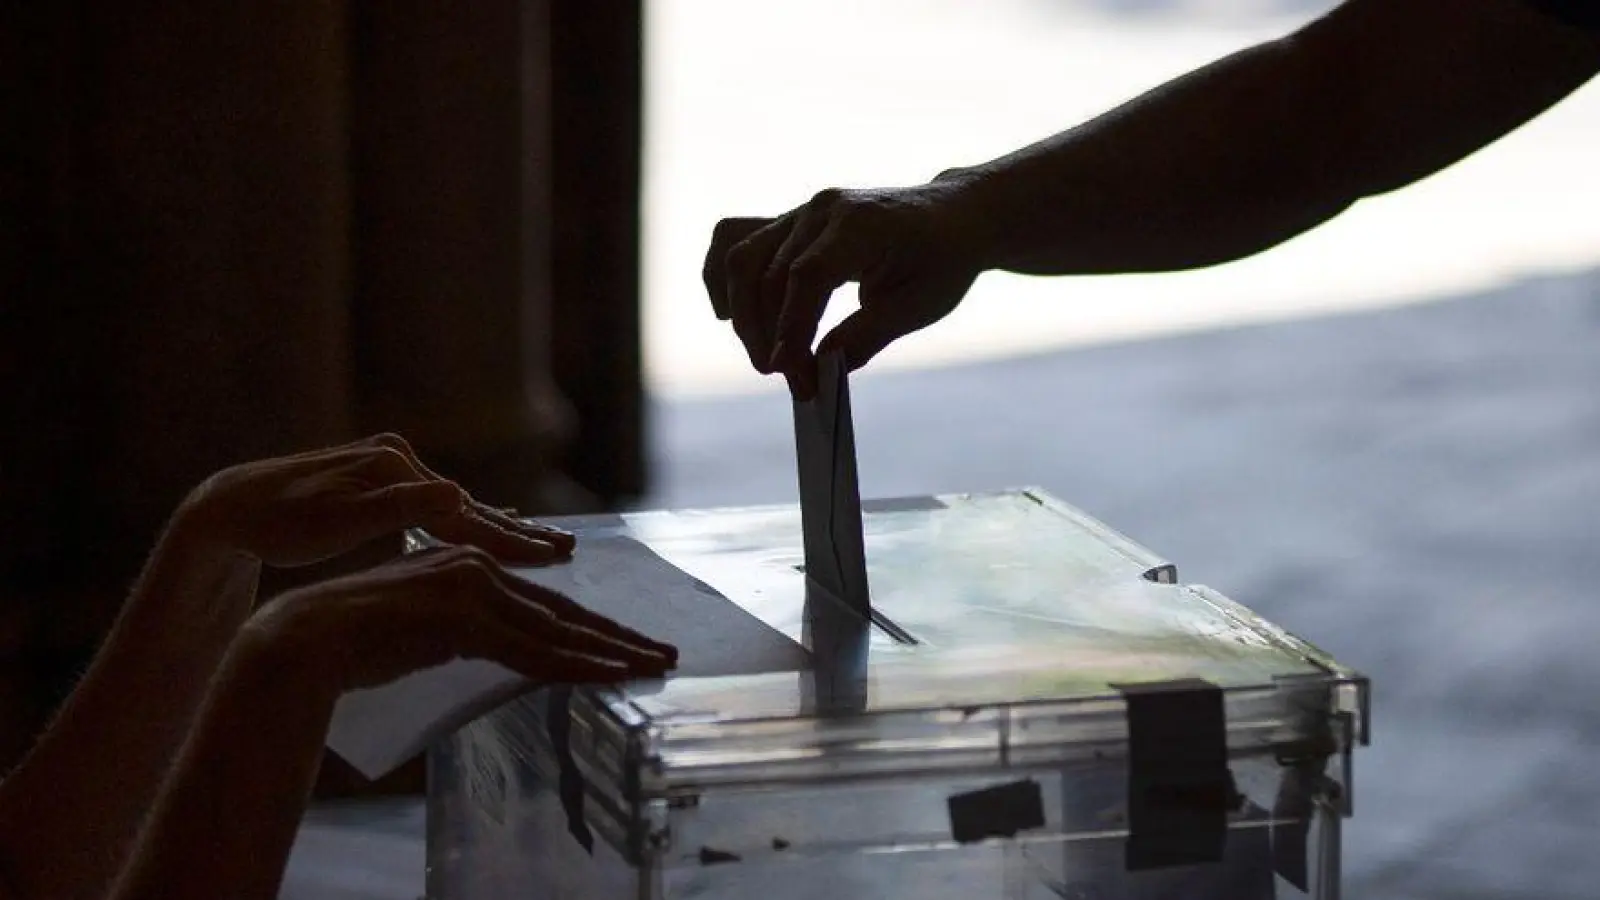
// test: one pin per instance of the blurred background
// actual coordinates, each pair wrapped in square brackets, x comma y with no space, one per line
[234,231]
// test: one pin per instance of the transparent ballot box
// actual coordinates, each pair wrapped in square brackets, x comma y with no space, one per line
[1038,708]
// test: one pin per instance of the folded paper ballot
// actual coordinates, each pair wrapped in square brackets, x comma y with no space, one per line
[830,494]
[377,730]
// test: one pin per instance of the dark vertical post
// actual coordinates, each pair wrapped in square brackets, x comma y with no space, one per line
[452,238]
[172,274]
[597,56]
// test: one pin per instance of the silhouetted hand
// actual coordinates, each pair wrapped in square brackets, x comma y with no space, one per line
[430,607]
[310,507]
[911,249]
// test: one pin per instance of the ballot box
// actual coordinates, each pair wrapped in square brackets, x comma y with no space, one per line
[1037,707]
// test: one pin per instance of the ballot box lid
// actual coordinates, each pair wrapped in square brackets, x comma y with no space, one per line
[1009,629]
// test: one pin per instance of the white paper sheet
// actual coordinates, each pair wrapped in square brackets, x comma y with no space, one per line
[376,730]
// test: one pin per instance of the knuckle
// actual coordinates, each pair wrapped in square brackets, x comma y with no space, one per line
[853,214]
[827,198]
[729,231]
[389,440]
[477,556]
[543,620]
[463,578]
[774,278]
[808,270]
[386,457]
[743,261]
[465,558]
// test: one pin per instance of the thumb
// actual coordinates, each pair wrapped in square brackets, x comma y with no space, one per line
[862,335]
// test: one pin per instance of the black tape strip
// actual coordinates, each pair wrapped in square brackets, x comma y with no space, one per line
[570,784]
[1179,788]
[999,811]
[1291,827]
[1307,698]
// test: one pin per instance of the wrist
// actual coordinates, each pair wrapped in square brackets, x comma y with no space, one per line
[192,585]
[200,535]
[276,640]
[974,212]
[203,525]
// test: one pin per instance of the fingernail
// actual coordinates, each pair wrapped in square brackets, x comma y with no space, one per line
[653,667]
[566,539]
[666,652]
[536,551]
[561,540]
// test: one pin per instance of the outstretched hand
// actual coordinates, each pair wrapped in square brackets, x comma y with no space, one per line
[310,507]
[268,710]
[369,628]
[911,249]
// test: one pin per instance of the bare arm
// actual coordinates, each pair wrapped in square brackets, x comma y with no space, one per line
[226,822]
[1222,163]
[70,812]
[1263,145]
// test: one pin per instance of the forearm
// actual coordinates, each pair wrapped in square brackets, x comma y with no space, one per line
[1263,145]
[71,811]
[1211,167]
[226,821]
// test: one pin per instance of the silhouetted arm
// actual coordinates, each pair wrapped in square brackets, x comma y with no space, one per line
[227,822]
[1263,145]
[226,819]
[1217,165]
[70,813]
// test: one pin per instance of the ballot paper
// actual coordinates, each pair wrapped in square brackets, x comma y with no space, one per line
[377,730]
[830,495]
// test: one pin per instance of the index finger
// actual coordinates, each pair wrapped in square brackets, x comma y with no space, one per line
[483,514]
[714,273]
[575,613]
[470,528]
[831,260]
[564,541]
